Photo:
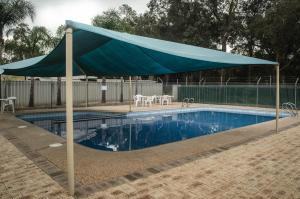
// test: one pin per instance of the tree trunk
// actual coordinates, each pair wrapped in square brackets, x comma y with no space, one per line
[167,77]
[103,100]
[224,49]
[136,84]
[58,99]
[121,95]
[31,97]
[1,45]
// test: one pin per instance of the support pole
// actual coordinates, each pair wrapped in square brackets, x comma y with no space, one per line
[226,94]
[69,109]
[277,97]
[51,94]
[257,84]
[0,86]
[130,94]
[295,92]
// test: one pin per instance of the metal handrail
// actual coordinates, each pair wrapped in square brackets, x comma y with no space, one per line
[290,108]
[187,101]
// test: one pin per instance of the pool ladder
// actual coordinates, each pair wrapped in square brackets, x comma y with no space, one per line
[187,101]
[290,108]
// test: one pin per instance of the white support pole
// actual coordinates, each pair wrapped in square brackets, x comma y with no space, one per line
[277,97]
[130,94]
[69,109]
[295,92]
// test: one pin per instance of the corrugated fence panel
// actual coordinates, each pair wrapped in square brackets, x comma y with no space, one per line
[45,92]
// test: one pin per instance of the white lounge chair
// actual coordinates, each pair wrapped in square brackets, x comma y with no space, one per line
[8,102]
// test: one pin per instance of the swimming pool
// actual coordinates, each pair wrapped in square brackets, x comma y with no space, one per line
[132,131]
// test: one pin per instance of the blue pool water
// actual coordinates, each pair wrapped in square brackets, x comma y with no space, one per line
[120,132]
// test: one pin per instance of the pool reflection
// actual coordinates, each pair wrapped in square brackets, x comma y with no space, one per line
[121,133]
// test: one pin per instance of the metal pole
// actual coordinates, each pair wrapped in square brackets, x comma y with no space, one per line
[69,109]
[296,92]
[257,83]
[277,97]
[51,100]
[226,89]
[129,136]
[130,93]
[0,86]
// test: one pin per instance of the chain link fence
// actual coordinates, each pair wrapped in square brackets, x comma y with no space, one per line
[238,94]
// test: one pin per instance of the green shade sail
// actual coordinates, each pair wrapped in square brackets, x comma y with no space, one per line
[98,51]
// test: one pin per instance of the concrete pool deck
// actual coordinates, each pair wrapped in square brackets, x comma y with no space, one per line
[99,170]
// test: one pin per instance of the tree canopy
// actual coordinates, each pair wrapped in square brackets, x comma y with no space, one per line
[267,29]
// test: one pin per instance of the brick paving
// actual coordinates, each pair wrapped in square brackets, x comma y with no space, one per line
[21,178]
[267,168]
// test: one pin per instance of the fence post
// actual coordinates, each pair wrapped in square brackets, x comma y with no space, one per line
[295,92]
[141,83]
[130,94]
[103,89]
[87,91]
[51,94]
[257,83]
[226,90]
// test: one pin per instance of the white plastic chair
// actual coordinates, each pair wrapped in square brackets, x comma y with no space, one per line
[9,102]
[150,100]
[165,99]
[138,99]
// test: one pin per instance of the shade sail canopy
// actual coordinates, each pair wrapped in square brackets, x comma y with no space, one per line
[98,51]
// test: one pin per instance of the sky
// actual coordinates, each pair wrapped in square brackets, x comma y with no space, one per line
[52,13]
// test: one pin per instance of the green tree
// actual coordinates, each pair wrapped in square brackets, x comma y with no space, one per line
[27,43]
[122,19]
[56,39]
[278,33]
[13,12]
[271,30]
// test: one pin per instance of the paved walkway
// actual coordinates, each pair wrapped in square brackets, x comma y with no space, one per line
[267,168]
[21,178]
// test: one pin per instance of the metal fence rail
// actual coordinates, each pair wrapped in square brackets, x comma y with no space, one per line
[250,95]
